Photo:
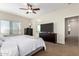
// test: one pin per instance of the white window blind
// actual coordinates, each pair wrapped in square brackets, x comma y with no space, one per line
[5,27]
[9,27]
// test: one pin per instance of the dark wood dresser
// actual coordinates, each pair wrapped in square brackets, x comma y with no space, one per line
[51,37]
[28,31]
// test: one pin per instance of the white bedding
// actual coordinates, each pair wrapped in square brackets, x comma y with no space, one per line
[20,45]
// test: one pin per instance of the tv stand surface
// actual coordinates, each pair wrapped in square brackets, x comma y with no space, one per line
[51,37]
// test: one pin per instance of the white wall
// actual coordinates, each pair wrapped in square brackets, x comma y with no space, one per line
[24,21]
[58,17]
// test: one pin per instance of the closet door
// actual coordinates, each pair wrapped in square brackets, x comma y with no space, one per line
[78,29]
[72,31]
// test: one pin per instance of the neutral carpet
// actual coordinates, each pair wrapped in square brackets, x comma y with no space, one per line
[59,50]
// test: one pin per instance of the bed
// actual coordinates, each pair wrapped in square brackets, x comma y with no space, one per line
[22,45]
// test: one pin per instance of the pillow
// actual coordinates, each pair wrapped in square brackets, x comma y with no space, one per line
[1,43]
[1,40]
[2,37]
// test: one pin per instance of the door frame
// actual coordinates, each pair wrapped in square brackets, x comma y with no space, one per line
[65,24]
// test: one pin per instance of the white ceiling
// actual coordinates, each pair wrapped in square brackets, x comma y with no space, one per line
[44,8]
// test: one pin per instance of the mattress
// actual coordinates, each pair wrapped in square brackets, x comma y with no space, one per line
[35,51]
[0,51]
[31,53]
[21,46]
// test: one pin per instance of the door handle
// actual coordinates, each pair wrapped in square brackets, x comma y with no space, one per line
[69,32]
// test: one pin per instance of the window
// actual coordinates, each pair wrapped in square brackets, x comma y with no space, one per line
[15,26]
[9,27]
[38,28]
[5,27]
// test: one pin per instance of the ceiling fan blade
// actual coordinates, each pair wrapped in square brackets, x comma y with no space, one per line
[23,8]
[29,4]
[34,12]
[36,8]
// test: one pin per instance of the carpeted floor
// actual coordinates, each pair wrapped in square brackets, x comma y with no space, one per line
[59,50]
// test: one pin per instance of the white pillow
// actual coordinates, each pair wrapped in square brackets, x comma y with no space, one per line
[1,37]
[1,40]
[1,43]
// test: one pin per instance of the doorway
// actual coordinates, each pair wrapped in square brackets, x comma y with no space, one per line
[72,31]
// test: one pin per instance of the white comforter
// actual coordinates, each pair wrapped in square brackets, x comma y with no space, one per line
[20,45]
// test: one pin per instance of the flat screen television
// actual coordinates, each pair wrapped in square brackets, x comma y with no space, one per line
[47,27]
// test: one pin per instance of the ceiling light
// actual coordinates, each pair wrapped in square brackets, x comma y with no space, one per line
[30,11]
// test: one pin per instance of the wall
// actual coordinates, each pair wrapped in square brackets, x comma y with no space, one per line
[58,17]
[24,21]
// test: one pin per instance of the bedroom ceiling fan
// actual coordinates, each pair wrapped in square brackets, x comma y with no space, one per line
[30,9]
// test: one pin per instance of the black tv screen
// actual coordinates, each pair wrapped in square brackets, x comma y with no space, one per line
[47,27]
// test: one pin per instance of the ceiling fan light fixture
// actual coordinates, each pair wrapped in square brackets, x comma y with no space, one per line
[30,11]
